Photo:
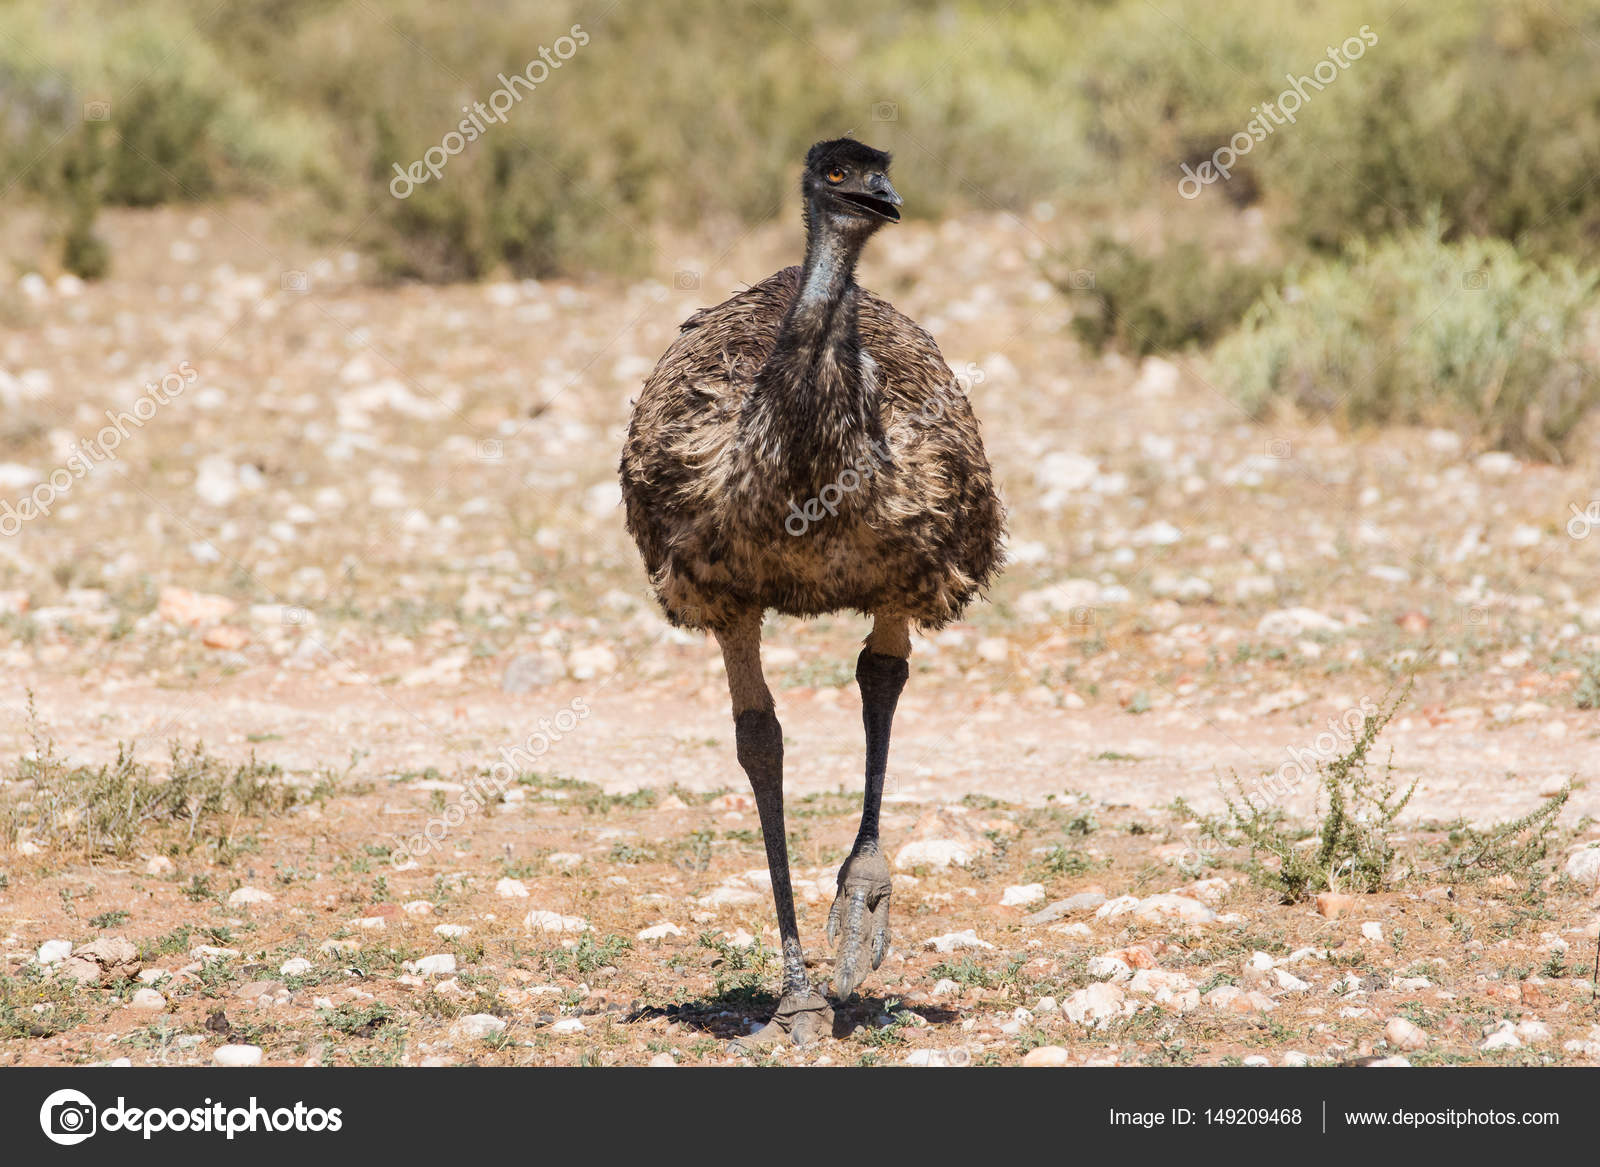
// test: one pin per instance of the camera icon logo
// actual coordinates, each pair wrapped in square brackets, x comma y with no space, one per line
[490,450]
[1080,279]
[686,281]
[68,1117]
[1475,281]
[885,111]
[97,111]
[292,615]
[296,282]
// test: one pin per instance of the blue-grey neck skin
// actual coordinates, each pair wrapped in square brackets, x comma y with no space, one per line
[830,264]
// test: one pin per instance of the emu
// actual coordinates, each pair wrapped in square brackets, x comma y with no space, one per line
[804,448]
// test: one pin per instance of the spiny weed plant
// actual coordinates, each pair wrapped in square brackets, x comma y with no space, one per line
[1351,848]
[1517,848]
[123,805]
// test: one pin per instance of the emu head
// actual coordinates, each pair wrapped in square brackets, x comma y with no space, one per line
[847,190]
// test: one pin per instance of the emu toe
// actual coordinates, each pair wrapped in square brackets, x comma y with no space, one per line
[801,1018]
[858,922]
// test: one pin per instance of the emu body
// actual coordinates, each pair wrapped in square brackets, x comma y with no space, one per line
[804,448]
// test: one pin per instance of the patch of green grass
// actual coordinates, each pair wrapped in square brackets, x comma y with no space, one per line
[122,806]
[740,974]
[1587,694]
[358,1020]
[589,954]
[35,1003]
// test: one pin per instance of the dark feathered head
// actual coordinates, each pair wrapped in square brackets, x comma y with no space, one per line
[848,183]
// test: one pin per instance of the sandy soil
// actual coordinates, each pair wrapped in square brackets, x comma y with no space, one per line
[377,536]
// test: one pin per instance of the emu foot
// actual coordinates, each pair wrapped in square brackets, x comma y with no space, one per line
[801,1018]
[859,920]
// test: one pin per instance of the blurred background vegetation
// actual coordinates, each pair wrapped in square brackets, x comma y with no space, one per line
[1460,154]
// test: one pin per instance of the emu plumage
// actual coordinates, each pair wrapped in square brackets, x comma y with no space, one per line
[804,448]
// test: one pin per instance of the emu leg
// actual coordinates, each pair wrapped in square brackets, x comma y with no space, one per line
[803,1014]
[859,919]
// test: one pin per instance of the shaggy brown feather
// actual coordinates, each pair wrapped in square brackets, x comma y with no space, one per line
[916,532]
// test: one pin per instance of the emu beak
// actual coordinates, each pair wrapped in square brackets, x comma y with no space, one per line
[879,185]
[879,199]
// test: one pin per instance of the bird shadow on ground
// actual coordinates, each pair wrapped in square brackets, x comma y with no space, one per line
[739,1012]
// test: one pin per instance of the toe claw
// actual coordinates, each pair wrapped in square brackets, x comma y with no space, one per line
[859,921]
[801,1018]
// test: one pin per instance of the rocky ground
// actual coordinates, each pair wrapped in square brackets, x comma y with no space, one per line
[375,541]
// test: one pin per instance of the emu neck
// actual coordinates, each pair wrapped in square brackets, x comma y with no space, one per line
[809,411]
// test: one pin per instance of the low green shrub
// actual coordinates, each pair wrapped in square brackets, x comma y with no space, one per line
[1417,330]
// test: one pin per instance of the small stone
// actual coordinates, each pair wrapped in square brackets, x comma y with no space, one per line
[1290,983]
[295,966]
[1394,1063]
[945,987]
[1095,1005]
[663,1061]
[1232,999]
[237,1055]
[540,920]
[225,637]
[1402,1034]
[160,865]
[596,660]
[1373,931]
[451,931]
[192,609]
[933,853]
[567,1026]
[477,1026]
[1171,907]
[1503,1036]
[439,964]
[1084,901]
[1583,867]
[249,895]
[659,932]
[1022,895]
[956,941]
[1046,1055]
[1108,968]
[1333,904]
[147,1000]
[532,670]
[112,958]
[54,951]
[1532,1032]
[511,889]
[214,952]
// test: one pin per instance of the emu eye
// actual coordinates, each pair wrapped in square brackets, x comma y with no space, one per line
[835,175]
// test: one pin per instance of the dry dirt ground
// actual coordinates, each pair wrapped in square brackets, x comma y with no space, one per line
[375,541]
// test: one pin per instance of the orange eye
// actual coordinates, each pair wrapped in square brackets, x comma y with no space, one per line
[835,175]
